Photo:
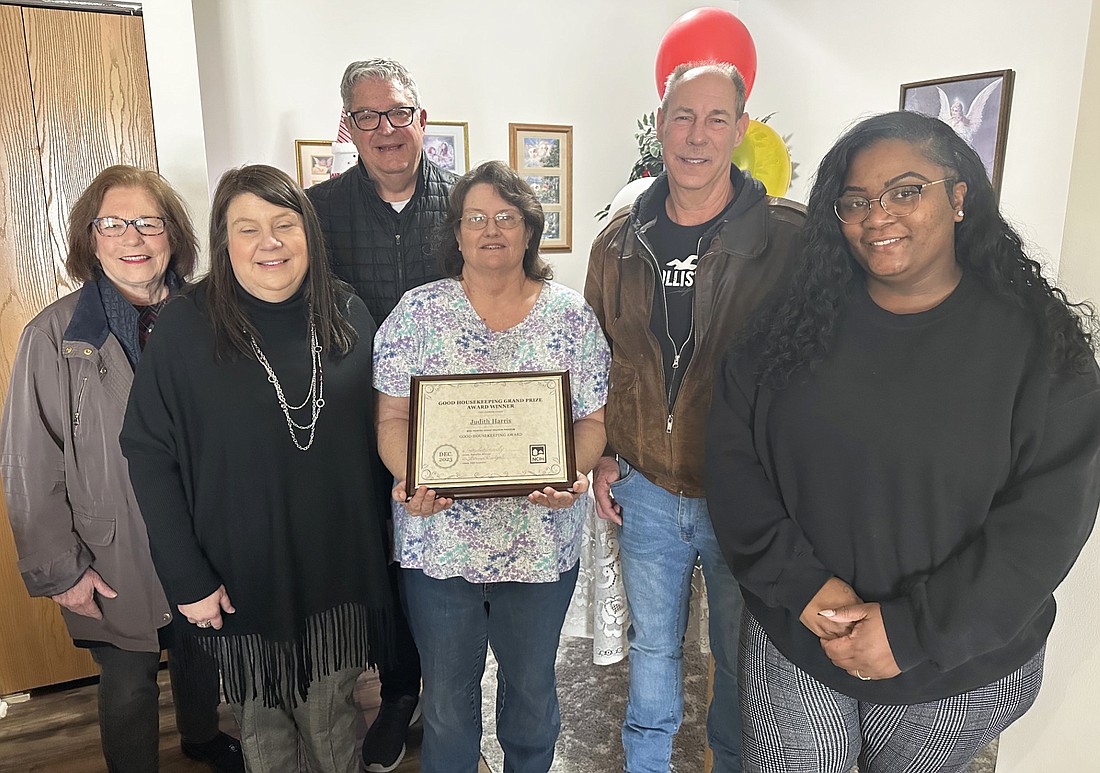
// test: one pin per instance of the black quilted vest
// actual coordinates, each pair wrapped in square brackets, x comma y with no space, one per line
[379,252]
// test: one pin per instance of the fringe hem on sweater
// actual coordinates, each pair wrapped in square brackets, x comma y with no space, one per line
[254,667]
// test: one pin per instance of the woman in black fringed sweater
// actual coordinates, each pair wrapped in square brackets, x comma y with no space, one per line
[250,438]
[903,463]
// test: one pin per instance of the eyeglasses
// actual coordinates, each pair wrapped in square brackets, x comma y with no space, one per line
[899,202]
[112,225]
[506,220]
[369,120]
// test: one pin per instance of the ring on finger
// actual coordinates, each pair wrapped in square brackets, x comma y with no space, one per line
[203,624]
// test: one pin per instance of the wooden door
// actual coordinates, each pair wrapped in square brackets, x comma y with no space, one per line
[75,91]
[92,105]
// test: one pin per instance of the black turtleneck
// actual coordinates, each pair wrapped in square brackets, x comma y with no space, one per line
[227,496]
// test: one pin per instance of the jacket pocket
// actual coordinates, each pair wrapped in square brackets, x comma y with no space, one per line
[94,530]
[623,400]
[622,377]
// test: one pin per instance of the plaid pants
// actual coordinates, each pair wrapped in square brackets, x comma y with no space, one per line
[794,724]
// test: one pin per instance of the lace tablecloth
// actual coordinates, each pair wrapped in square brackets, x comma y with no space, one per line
[599,610]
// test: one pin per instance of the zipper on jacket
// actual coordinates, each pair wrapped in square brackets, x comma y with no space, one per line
[669,403]
[79,401]
[656,269]
[400,265]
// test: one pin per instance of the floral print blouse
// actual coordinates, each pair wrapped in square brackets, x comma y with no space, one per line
[435,331]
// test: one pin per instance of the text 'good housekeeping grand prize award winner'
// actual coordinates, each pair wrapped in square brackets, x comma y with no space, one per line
[491,434]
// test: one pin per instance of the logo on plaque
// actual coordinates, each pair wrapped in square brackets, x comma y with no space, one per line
[538,454]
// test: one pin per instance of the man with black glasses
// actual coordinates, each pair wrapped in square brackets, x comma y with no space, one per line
[378,220]
[378,217]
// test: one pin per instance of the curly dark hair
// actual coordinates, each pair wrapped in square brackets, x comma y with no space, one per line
[796,328]
[326,294]
[513,189]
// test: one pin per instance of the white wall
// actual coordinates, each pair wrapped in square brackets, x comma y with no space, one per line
[823,65]
[177,110]
[270,70]
[270,73]
[1059,733]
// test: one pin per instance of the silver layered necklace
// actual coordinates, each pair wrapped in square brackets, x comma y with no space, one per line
[315,400]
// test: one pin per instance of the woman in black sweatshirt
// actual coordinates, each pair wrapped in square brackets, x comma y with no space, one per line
[902,466]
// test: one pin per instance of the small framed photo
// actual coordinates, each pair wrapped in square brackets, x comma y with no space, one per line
[447,145]
[975,106]
[547,187]
[543,156]
[314,161]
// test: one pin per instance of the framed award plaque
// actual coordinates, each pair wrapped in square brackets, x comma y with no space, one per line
[491,434]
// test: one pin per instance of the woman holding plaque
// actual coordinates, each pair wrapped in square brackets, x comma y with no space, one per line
[247,433]
[496,571]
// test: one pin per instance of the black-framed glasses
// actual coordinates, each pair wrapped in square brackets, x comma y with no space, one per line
[899,202]
[112,225]
[506,220]
[369,120]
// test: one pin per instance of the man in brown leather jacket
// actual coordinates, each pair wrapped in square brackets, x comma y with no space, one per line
[672,282]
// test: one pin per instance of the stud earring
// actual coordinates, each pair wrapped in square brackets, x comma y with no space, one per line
[959,213]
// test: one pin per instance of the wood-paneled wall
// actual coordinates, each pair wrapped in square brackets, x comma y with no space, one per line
[91,103]
[75,93]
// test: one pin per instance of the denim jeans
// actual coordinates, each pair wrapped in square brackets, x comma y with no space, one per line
[661,537]
[452,621]
[402,676]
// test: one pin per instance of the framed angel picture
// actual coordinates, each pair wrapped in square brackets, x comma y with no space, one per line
[976,106]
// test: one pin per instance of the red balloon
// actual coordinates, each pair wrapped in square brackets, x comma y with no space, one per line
[707,33]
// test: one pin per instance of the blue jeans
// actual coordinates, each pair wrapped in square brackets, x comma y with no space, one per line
[661,537]
[452,620]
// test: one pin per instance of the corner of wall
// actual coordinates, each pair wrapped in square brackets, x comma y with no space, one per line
[177,108]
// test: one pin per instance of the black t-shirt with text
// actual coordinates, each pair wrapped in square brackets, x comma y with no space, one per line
[677,249]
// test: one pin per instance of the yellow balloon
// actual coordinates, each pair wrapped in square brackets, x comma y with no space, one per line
[764,155]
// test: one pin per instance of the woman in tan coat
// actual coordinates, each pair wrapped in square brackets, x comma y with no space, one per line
[80,537]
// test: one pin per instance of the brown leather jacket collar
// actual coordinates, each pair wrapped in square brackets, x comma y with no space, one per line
[748,256]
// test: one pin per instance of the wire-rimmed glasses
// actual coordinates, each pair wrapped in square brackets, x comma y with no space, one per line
[899,201]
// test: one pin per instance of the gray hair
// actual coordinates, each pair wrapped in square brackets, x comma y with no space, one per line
[378,69]
[710,65]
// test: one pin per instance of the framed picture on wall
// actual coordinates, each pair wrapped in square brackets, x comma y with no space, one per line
[447,144]
[975,106]
[314,161]
[543,156]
